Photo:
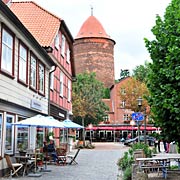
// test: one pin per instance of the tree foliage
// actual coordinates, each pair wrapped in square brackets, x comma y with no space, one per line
[124,73]
[141,72]
[131,91]
[87,98]
[164,78]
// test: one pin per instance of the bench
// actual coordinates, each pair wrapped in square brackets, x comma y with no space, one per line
[154,164]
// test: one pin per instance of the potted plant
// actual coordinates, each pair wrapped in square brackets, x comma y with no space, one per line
[40,159]
[21,149]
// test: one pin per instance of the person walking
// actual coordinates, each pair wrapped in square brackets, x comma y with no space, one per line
[165,145]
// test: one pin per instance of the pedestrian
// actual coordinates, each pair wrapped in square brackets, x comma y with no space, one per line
[165,145]
[129,136]
[156,143]
[168,146]
[159,145]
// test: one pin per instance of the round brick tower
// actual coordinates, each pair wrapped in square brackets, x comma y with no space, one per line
[94,51]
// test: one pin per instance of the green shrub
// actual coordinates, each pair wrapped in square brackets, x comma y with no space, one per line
[173,167]
[127,173]
[125,163]
[154,150]
[144,147]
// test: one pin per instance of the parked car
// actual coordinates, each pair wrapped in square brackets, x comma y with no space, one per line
[149,139]
[131,141]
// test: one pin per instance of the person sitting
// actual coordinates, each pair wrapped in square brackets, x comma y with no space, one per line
[52,151]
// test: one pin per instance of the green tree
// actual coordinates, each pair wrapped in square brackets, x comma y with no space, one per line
[140,73]
[129,93]
[124,73]
[87,98]
[164,78]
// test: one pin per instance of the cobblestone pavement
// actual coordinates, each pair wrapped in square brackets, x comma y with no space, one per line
[93,164]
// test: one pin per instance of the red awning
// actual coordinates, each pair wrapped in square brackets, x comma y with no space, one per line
[110,128]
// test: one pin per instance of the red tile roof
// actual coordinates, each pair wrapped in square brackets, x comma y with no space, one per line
[42,24]
[92,28]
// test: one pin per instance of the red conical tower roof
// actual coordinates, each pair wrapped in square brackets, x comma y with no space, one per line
[92,28]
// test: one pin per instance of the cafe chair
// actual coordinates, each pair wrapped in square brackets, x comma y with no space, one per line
[14,167]
[73,157]
[61,153]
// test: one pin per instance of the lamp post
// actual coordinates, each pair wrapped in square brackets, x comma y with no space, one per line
[132,123]
[145,125]
[139,100]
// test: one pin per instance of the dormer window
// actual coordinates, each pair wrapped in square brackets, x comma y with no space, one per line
[57,41]
[63,45]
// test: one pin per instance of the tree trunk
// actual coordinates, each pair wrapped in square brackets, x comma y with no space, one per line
[83,132]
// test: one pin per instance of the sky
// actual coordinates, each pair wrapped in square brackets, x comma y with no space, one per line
[127,22]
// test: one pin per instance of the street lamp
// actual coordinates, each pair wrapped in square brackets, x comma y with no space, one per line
[139,100]
[145,125]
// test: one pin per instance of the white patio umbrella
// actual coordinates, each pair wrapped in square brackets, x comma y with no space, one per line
[69,124]
[40,121]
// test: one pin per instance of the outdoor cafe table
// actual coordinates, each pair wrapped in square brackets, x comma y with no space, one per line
[161,161]
[34,156]
[25,161]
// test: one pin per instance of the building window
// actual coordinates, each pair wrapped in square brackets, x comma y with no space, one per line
[41,78]
[123,91]
[7,54]
[106,118]
[52,81]
[33,77]
[68,56]
[69,90]
[61,84]
[40,137]
[22,136]
[63,45]
[57,41]
[9,133]
[23,62]
[123,104]
[126,117]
